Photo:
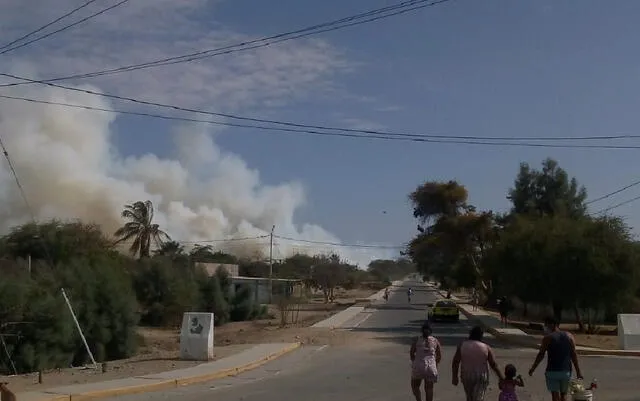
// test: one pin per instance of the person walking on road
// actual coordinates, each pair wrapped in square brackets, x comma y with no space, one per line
[472,360]
[503,308]
[474,299]
[425,356]
[409,293]
[560,348]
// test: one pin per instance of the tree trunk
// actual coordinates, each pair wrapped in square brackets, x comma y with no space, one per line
[525,309]
[579,320]
[325,292]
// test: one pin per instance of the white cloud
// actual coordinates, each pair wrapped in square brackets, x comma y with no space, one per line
[362,124]
[67,161]
[146,30]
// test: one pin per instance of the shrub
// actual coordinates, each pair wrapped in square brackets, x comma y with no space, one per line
[165,291]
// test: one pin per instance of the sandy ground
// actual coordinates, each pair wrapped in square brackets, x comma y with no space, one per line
[606,338]
[160,349]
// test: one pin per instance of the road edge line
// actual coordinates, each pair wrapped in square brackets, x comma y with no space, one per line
[160,384]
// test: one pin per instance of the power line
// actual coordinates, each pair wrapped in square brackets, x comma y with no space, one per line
[610,194]
[26,202]
[298,125]
[64,28]
[48,25]
[358,19]
[210,241]
[349,133]
[338,244]
[618,205]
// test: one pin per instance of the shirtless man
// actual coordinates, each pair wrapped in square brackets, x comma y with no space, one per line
[560,348]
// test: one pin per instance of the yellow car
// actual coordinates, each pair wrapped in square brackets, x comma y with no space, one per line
[444,309]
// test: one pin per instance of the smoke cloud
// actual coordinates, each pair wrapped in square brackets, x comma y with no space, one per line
[70,169]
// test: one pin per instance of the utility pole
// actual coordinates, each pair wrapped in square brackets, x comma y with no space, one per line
[271,265]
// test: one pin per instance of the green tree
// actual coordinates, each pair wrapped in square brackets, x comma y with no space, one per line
[327,273]
[141,229]
[206,254]
[548,191]
[568,263]
[452,236]
[213,300]
[109,322]
[170,249]
[165,290]
[54,241]
[390,269]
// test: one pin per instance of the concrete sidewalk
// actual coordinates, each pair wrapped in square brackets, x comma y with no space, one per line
[492,324]
[246,360]
[345,318]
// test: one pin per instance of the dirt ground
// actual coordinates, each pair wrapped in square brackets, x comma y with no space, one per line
[606,338]
[159,350]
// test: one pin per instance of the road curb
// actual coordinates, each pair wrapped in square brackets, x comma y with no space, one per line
[608,352]
[523,341]
[238,369]
[531,342]
[138,384]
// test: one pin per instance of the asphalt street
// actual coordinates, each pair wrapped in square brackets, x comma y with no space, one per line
[379,368]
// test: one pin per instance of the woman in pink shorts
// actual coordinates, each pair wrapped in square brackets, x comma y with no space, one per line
[425,356]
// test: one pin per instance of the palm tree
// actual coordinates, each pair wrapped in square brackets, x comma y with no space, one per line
[141,229]
[170,249]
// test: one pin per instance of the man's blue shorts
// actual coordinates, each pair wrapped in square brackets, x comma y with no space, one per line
[558,382]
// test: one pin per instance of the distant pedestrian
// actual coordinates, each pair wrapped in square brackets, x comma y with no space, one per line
[503,308]
[425,356]
[474,299]
[509,384]
[560,348]
[472,361]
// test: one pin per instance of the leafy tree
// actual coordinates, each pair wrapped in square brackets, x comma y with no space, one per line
[141,229]
[170,249]
[548,191]
[253,269]
[579,264]
[327,274]
[213,300]
[109,322]
[389,270]
[165,292]
[54,241]
[206,254]
[298,266]
[456,237]
[242,307]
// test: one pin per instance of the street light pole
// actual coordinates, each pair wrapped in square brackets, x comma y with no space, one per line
[271,264]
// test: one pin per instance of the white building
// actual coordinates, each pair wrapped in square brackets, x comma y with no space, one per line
[259,285]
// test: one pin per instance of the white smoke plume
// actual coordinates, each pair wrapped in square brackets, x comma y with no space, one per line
[70,169]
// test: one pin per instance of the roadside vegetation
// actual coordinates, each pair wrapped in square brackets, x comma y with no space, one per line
[549,254]
[137,277]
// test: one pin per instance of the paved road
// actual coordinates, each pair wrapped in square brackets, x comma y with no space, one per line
[379,369]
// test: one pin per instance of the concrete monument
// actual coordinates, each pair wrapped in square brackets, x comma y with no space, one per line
[196,336]
[629,331]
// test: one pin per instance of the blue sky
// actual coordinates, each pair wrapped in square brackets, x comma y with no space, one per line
[482,68]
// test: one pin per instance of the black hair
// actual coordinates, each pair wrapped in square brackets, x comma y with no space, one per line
[510,372]
[551,321]
[476,333]
[426,329]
